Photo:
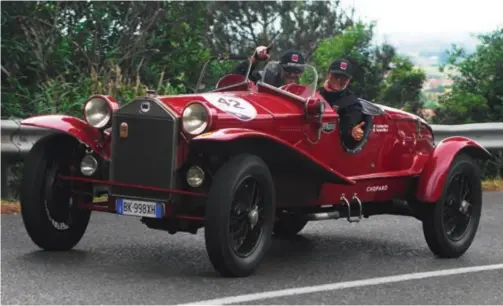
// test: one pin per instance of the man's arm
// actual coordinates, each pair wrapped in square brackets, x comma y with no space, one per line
[351,116]
[242,68]
[261,53]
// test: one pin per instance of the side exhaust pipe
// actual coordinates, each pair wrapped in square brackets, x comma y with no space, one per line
[323,216]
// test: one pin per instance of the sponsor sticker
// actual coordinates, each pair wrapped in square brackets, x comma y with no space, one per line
[380,128]
[377,188]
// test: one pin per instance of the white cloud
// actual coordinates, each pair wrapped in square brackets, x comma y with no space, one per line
[429,17]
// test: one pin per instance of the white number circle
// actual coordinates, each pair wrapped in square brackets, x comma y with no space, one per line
[235,106]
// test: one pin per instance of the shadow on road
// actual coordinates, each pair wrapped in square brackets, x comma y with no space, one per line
[306,252]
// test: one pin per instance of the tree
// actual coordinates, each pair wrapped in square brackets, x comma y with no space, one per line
[380,75]
[477,92]
[56,54]
[402,87]
[237,27]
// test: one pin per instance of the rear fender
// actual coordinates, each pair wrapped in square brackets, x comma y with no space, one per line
[75,127]
[264,144]
[434,174]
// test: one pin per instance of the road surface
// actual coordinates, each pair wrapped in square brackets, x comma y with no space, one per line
[120,261]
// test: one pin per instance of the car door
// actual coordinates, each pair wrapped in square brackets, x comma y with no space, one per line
[330,150]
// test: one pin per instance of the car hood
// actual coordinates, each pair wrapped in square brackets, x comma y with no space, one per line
[242,106]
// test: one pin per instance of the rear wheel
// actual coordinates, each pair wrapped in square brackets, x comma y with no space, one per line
[288,226]
[48,208]
[239,216]
[451,224]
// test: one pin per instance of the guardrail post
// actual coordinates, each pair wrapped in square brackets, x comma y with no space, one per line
[10,153]
[5,183]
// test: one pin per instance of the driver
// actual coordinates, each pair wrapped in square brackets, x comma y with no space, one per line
[337,94]
[276,74]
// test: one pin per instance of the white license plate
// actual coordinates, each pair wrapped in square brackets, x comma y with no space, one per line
[139,208]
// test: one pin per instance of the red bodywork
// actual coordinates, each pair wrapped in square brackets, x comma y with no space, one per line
[398,161]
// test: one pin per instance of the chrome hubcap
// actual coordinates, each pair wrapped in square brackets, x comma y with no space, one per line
[253,217]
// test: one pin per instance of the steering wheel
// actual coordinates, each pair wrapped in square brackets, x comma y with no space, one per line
[357,146]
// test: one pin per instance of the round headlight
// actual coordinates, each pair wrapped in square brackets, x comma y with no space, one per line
[88,165]
[195,119]
[97,112]
[195,176]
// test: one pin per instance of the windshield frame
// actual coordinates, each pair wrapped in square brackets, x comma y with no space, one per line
[224,58]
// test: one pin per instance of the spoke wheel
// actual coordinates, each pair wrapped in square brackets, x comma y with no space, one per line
[58,200]
[49,210]
[239,216]
[458,207]
[246,218]
[287,226]
[450,225]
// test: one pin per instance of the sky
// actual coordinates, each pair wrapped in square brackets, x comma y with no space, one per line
[423,18]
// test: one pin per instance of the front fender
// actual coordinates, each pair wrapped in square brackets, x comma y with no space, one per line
[75,127]
[434,174]
[314,165]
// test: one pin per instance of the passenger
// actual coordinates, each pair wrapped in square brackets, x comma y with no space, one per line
[336,93]
[276,74]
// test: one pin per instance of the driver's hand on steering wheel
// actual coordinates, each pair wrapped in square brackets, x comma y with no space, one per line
[261,53]
[357,131]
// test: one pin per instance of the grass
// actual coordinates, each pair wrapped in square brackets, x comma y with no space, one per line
[11,207]
[493,185]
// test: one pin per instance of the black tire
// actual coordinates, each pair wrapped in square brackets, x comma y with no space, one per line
[288,226]
[435,226]
[236,173]
[50,221]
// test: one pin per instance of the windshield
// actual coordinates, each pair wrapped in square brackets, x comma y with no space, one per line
[290,76]
[219,73]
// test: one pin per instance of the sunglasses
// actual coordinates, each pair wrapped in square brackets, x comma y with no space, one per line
[293,69]
[341,77]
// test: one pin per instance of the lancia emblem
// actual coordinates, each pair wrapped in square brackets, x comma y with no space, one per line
[145,107]
[123,130]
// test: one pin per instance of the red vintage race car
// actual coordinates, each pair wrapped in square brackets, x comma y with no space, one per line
[245,162]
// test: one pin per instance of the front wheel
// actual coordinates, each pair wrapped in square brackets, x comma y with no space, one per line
[48,207]
[239,216]
[450,226]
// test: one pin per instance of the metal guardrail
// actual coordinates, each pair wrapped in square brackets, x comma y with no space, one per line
[489,135]
[17,140]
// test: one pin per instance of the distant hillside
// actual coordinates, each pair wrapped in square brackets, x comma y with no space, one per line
[428,43]
[428,51]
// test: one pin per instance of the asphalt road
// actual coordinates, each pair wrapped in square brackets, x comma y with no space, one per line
[120,261]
